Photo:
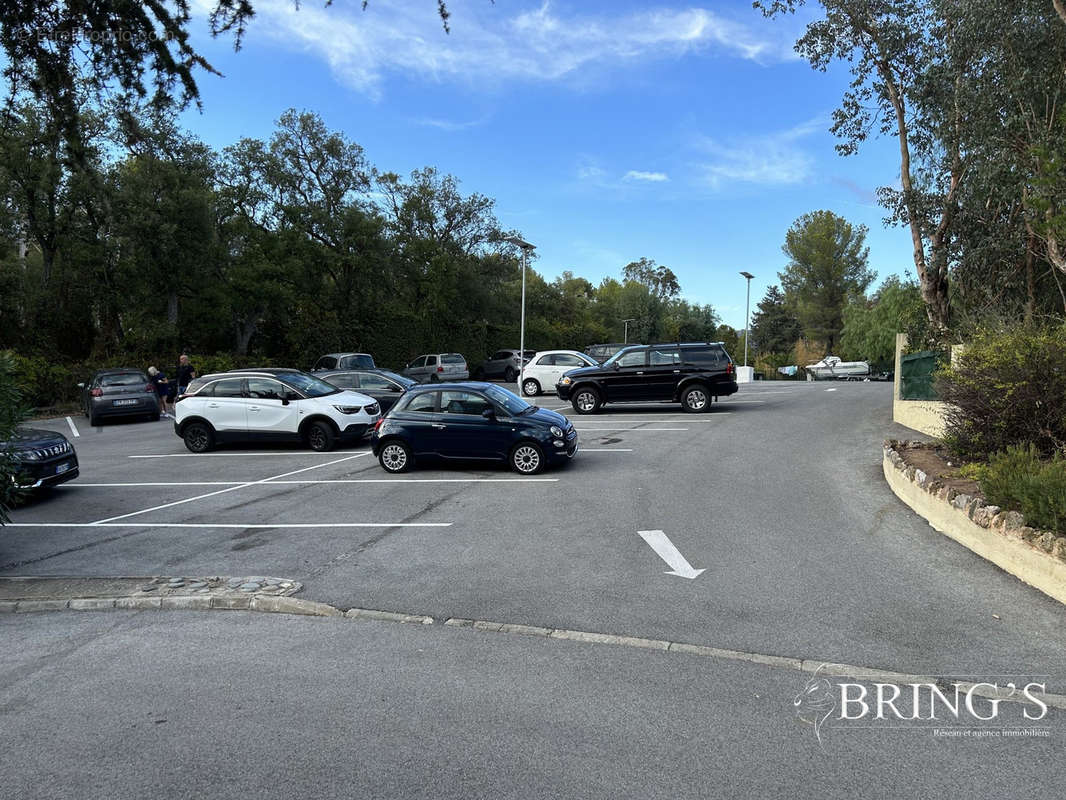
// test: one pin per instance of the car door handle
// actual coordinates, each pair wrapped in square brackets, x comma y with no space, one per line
[640,373]
[253,408]
[212,405]
[439,425]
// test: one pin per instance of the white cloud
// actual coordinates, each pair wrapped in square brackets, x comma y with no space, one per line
[775,158]
[638,175]
[449,125]
[487,45]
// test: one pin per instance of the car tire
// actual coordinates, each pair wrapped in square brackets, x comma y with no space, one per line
[395,456]
[433,378]
[198,437]
[510,374]
[586,400]
[94,420]
[527,458]
[531,387]
[154,416]
[319,436]
[696,399]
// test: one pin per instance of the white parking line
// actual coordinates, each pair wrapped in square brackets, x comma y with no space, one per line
[309,483]
[620,428]
[229,525]
[290,453]
[830,390]
[73,428]
[606,450]
[223,491]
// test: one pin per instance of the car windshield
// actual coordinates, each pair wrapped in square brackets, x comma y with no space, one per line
[308,384]
[509,400]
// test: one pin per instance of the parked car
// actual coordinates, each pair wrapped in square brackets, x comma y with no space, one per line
[271,405]
[472,422]
[42,458]
[344,361]
[602,352]
[384,386]
[690,373]
[435,367]
[119,393]
[502,364]
[546,368]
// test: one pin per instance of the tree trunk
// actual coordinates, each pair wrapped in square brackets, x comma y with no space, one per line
[245,330]
[172,308]
[1060,8]
[1030,279]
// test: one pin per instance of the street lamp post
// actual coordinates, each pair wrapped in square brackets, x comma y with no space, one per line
[625,333]
[525,247]
[747,311]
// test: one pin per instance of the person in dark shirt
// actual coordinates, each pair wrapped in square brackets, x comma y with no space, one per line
[163,390]
[186,372]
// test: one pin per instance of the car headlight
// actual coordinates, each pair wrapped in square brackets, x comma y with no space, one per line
[349,409]
[565,381]
[556,431]
[27,455]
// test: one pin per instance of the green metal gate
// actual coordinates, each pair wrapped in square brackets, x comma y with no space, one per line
[916,374]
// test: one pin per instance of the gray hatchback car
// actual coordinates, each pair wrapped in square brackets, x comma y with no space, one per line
[119,393]
[435,367]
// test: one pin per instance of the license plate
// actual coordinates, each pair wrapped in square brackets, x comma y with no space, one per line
[124,402]
[62,468]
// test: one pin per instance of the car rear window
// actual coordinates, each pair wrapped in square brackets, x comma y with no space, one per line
[124,379]
[712,355]
[452,358]
[359,361]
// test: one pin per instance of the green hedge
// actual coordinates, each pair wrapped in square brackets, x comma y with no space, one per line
[1018,479]
[1007,388]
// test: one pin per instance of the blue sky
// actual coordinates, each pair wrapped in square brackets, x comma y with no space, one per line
[606,130]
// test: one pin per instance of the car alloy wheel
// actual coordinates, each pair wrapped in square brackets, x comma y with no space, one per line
[510,374]
[197,438]
[586,401]
[531,387]
[695,399]
[320,437]
[527,459]
[394,457]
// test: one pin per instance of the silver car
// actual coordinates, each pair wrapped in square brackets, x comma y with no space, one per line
[119,393]
[502,364]
[434,367]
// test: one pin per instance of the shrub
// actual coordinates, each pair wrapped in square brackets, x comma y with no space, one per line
[1020,480]
[1007,387]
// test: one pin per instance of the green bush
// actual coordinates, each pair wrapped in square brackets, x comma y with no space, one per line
[1007,388]
[1020,480]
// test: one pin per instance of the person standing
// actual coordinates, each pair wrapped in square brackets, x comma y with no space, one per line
[186,373]
[163,389]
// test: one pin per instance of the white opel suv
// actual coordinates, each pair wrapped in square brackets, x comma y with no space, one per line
[271,405]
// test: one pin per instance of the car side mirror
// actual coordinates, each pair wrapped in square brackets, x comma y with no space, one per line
[394,388]
[489,413]
[284,401]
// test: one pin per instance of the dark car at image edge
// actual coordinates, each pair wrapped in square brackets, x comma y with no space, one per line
[693,374]
[472,422]
[41,458]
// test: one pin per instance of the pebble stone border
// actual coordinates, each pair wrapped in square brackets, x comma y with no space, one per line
[1009,523]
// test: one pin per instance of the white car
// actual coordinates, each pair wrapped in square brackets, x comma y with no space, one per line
[271,405]
[547,367]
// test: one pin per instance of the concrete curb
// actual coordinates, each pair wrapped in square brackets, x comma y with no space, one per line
[999,537]
[270,604]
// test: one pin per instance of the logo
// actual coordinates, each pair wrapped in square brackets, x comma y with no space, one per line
[962,709]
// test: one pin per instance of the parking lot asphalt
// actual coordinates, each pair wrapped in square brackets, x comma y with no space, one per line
[776,493]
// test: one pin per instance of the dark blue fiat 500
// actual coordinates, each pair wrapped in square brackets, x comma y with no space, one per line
[472,422]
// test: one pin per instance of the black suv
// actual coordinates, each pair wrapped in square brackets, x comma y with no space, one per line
[690,373]
[41,458]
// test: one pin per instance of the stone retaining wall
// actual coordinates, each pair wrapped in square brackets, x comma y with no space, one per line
[1034,556]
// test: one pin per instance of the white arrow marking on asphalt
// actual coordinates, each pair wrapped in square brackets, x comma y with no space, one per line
[664,548]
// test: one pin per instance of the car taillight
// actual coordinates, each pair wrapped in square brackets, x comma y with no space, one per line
[729,368]
[440,369]
[378,423]
[149,388]
[97,392]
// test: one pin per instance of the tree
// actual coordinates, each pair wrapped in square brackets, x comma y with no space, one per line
[871,325]
[827,265]
[891,46]
[774,328]
[58,49]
